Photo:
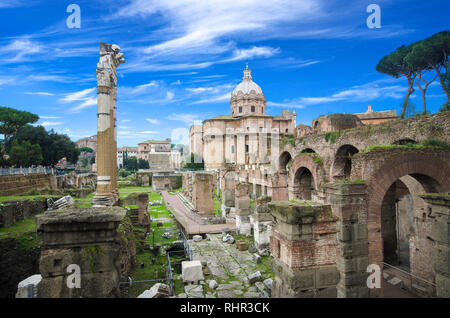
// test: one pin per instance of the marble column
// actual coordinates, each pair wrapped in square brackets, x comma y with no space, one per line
[106,193]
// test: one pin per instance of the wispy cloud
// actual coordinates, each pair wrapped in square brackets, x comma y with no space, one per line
[358,93]
[186,118]
[40,93]
[152,121]
[19,50]
[87,97]
[51,123]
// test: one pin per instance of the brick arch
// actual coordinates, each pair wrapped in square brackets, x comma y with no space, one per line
[341,165]
[428,169]
[283,160]
[305,161]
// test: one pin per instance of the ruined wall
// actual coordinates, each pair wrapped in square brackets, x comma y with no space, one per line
[305,250]
[386,133]
[16,210]
[169,182]
[87,237]
[21,184]
[199,187]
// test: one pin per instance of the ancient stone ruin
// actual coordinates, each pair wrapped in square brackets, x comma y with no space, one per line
[110,58]
[80,252]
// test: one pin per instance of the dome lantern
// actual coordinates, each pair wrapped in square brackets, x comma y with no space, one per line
[247,98]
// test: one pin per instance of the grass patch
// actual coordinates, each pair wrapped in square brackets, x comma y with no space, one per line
[359,181]
[24,231]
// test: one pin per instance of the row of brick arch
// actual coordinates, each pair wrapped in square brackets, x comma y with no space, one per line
[430,170]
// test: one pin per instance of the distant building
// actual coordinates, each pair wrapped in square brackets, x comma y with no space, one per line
[90,142]
[158,153]
[371,117]
[125,152]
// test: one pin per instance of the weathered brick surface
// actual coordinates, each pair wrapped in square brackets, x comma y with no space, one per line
[21,184]
[305,248]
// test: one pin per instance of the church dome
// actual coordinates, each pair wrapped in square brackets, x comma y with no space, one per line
[247,98]
[247,85]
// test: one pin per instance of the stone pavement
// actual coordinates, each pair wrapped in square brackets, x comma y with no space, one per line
[228,266]
[188,222]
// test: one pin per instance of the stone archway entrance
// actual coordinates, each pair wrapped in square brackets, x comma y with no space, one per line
[400,176]
[303,184]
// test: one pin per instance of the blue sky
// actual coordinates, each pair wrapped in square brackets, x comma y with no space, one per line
[185,57]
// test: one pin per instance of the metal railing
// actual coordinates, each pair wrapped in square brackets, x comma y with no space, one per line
[25,171]
[413,283]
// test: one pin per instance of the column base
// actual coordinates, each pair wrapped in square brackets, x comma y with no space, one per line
[104,200]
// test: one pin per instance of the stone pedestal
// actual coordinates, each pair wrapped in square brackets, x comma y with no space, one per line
[80,238]
[242,202]
[262,223]
[440,233]
[143,217]
[304,248]
[348,202]
[203,193]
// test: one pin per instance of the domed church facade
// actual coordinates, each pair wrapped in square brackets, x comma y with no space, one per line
[245,137]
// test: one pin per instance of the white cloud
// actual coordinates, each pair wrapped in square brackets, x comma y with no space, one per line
[49,117]
[152,121]
[255,51]
[48,78]
[143,87]
[92,101]
[77,96]
[18,50]
[215,99]
[170,95]
[40,93]
[51,123]
[186,118]
[359,93]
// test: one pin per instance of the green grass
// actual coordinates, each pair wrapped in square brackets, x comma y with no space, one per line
[24,231]
[217,205]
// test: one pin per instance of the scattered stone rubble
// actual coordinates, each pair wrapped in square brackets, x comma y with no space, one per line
[64,202]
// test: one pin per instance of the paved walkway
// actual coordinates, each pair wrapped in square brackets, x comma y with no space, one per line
[228,266]
[188,220]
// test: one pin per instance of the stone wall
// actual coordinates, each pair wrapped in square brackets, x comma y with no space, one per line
[262,224]
[16,210]
[242,203]
[86,237]
[166,182]
[143,179]
[305,250]
[348,203]
[199,187]
[21,184]
[441,237]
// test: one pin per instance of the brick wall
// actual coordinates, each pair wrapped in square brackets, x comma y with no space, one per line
[21,184]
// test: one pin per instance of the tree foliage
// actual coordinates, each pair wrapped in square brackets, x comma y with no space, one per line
[11,120]
[194,162]
[143,164]
[415,60]
[25,154]
[131,164]
[86,149]
[396,66]
[54,146]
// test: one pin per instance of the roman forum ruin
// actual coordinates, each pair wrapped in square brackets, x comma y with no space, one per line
[339,209]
